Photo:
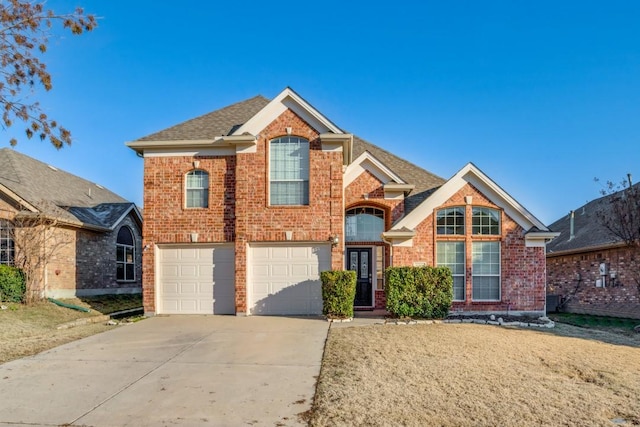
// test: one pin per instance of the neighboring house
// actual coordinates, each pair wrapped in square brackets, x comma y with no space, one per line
[244,207]
[589,269]
[76,237]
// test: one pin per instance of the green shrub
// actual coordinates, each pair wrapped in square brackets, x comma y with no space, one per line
[338,293]
[423,292]
[12,284]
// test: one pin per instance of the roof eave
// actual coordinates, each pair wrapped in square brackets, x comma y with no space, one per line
[586,249]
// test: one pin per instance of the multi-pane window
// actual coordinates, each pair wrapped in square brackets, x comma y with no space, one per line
[486,271]
[485,221]
[450,221]
[481,250]
[197,187]
[125,255]
[7,246]
[289,171]
[364,225]
[452,255]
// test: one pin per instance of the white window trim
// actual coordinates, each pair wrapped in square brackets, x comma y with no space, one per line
[464,268]
[125,263]
[499,275]
[187,188]
[298,180]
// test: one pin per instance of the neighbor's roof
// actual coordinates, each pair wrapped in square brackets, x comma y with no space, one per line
[588,231]
[59,194]
[226,120]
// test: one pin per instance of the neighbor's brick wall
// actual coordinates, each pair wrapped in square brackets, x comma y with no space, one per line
[257,221]
[573,277]
[83,262]
[166,220]
[61,266]
[523,269]
[96,260]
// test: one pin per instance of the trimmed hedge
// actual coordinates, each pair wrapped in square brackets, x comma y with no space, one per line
[422,292]
[338,293]
[12,284]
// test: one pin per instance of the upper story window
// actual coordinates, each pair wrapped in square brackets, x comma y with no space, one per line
[125,255]
[485,221]
[289,171]
[197,188]
[7,246]
[450,221]
[364,225]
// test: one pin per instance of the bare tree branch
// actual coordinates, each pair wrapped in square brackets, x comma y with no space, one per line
[24,34]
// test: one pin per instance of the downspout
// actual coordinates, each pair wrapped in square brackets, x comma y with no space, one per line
[390,250]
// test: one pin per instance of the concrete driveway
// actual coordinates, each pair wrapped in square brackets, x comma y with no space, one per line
[176,370]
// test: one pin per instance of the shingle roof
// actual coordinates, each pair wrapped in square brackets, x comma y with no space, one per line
[226,120]
[588,231]
[425,182]
[217,123]
[53,191]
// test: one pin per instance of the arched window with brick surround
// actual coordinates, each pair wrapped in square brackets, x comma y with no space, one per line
[125,255]
[364,224]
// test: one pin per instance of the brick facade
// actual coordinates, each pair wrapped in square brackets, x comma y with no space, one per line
[573,278]
[239,210]
[522,278]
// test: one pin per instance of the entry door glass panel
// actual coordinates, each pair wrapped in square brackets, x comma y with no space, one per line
[359,260]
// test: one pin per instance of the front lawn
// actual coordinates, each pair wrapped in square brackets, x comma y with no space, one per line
[476,375]
[30,329]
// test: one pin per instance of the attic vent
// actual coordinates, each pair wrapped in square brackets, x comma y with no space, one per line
[52,167]
[99,186]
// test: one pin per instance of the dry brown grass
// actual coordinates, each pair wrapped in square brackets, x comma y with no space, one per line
[476,375]
[30,329]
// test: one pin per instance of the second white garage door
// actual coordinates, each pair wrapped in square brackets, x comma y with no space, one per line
[285,279]
[196,279]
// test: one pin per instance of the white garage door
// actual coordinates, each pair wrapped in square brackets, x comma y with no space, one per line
[196,279]
[285,279]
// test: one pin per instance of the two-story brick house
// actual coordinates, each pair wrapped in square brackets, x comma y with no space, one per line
[245,206]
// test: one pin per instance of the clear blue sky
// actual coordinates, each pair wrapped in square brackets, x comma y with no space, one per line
[543,96]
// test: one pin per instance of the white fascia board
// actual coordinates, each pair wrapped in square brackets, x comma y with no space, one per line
[136,212]
[220,145]
[470,174]
[278,105]
[367,162]
[17,198]
[142,146]
[539,239]
[338,142]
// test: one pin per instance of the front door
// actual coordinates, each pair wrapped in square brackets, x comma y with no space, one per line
[359,260]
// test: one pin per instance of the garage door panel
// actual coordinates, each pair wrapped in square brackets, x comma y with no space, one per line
[301,270]
[196,280]
[284,279]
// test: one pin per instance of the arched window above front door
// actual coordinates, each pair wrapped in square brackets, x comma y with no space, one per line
[364,225]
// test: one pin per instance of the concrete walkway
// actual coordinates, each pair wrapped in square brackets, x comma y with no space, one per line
[176,370]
